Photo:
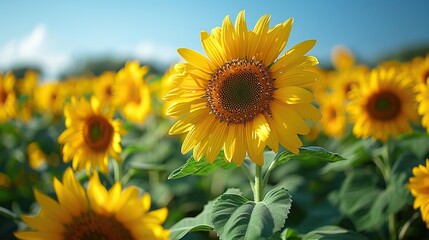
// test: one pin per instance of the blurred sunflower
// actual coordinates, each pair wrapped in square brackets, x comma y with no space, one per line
[27,85]
[96,213]
[345,80]
[419,188]
[240,97]
[8,104]
[342,58]
[334,117]
[50,98]
[132,95]
[91,135]
[420,70]
[36,157]
[423,104]
[383,104]
[103,88]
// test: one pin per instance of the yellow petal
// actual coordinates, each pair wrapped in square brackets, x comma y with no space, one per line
[293,95]
[197,60]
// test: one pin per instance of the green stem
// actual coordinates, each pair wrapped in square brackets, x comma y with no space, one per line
[407,224]
[116,171]
[258,188]
[392,227]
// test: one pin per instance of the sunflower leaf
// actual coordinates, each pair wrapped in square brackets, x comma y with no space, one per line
[202,167]
[235,217]
[312,153]
[332,232]
[201,222]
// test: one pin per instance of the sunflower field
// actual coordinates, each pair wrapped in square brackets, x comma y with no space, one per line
[249,140]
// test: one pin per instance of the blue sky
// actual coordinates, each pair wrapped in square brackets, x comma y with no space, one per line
[56,34]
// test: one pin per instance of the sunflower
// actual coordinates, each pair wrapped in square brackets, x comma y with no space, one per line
[27,85]
[345,80]
[8,104]
[36,157]
[95,213]
[383,104]
[423,101]
[419,188]
[50,98]
[132,95]
[240,97]
[104,87]
[91,135]
[334,116]
[420,70]
[342,58]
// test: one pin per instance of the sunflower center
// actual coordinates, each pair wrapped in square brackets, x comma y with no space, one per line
[108,91]
[3,96]
[240,90]
[97,132]
[425,76]
[384,106]
[92,226]
[332,113]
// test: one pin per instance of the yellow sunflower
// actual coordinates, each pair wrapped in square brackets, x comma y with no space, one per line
[334,116]
[36,157]
[132,95]
[345,80]
[8,104]
[91,135]
[95,213]
[104,87]
[240,97]
[419,188]
[27,85]
[423,104]
[342,58]
[383,104]
[50,97]
[420,70]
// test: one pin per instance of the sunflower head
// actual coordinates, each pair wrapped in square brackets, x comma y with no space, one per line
[334,117]
[91,135]
[132,95]
[420,190]
[342,58]
[383,105]
[104,86]
[50,97]
[243,96]
[8,103]
[94,213]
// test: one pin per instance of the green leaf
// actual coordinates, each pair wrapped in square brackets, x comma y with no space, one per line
[235,217]
[201,222]
[368,205]
[8,214]
[313,153]
[290,234]
[332,233]
[202,167]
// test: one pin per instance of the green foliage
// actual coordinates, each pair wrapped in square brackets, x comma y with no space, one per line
[332,233]
[235,217]
[202,167]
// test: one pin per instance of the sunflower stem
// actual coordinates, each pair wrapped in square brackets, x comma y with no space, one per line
[258,188]
[116,171]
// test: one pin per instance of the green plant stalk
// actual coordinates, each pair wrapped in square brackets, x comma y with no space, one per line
[116,171]
[259,186]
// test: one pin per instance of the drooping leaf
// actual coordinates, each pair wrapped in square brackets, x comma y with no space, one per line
[309,153]
[235,217]
[202,167]
[332,233]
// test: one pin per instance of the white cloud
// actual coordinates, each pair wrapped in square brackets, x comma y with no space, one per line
[34,49]
[149,51]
